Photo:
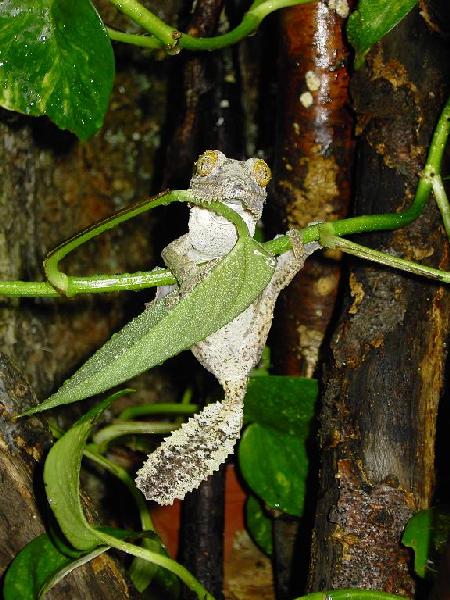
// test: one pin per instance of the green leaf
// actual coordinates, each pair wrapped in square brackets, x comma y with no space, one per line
[275,466]
[427,533]
[373,20]
[284,403]
[62,479]
[38,567]
[56,59]
[259,524]
[159,582]
[351,594]
[166,329]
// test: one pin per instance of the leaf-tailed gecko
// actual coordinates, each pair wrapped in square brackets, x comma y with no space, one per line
[201,445]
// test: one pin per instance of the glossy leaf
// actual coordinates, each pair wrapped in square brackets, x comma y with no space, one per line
[284,403]
[373,20]
[351,594]
[38,567]
[275,466]
[56,60]
[165,329]
[426,533]
[62,479]
[259,524]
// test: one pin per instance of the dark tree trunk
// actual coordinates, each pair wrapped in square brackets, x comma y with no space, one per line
[313,160]
[207,115]
[385,373]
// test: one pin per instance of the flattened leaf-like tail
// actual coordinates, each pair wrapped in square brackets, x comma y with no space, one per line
[193,452]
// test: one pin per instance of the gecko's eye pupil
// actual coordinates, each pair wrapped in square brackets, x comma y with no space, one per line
[206,163]
[262,173]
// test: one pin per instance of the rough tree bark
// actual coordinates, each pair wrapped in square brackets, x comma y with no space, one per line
[23,445]
[313,160]
[384,376]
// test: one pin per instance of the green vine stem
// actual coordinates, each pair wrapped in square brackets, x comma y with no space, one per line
[334,242]
[174,41]
[139,577]
[66,285]
[69,286]
[442,201]
[144,410]
[150,22]
[157,559]
[105,435]
[144,41]
[429,180]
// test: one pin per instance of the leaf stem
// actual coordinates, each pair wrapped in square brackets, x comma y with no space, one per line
[160,560]
[150,22]
[124,477]
[154,409]
[141,578]
[144,41]
[62,284]
[430,179]
[68,286]
[120,428]
[95,284]
[330,241]
[174,41]
[442,201]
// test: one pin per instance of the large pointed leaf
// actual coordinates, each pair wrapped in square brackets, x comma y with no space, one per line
[165,330]
[62,479]
[373,20]
[56,59]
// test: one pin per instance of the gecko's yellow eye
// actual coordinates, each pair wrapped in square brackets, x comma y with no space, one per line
[262,173]
[206,163]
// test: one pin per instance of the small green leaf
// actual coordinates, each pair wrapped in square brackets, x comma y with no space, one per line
[259,524]
[38,567]
[373,20]
[275,466]
[426,533]
[164,329]
[56,59]
[62,479]
[284,403]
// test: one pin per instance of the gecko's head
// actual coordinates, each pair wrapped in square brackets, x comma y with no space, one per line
[217,177]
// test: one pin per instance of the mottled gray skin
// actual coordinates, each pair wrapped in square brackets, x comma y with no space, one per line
[201,445]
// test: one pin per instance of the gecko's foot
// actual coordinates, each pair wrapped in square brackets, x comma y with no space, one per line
[190,454]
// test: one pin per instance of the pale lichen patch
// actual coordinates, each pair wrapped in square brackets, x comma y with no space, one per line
[312,81]
[357,292]
[341,7]
[306,99]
